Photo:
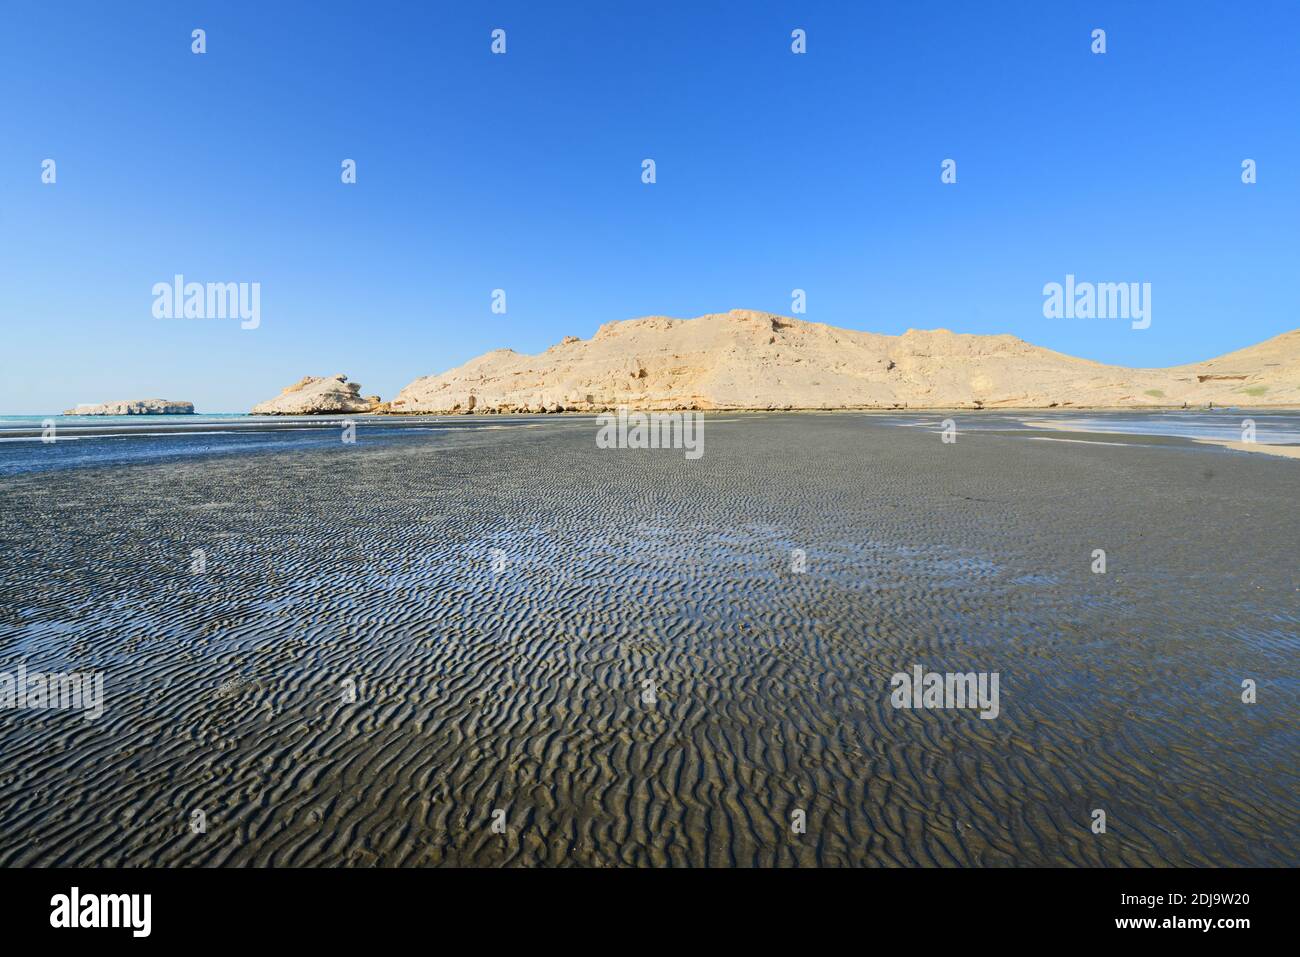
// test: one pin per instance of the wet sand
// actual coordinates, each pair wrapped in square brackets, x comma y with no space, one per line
[520,689]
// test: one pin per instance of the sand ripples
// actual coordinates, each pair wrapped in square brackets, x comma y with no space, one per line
[521,687]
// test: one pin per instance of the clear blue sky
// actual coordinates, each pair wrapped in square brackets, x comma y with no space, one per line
[522,171]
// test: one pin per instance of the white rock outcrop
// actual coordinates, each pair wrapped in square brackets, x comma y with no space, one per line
[319,395]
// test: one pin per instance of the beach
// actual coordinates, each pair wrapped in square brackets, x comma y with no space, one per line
[388,643]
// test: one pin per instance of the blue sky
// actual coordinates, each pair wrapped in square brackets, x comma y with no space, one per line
[523,172]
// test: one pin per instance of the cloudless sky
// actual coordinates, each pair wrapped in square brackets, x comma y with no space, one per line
[523,172]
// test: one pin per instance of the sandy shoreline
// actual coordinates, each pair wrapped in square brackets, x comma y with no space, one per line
[521,689]
[1261,448]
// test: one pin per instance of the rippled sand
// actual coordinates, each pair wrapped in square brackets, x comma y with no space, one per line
[521,689]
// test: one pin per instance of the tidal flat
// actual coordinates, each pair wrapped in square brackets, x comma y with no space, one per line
[493,643]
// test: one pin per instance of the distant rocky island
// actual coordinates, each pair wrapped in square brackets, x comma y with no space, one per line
[135,407]
[746,360]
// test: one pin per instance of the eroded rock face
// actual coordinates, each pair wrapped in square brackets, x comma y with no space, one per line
[754,360]
[136,407]
[319,395]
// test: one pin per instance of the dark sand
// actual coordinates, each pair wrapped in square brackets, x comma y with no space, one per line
[520,691]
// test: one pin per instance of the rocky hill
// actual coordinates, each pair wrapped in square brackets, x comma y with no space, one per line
[754,360]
